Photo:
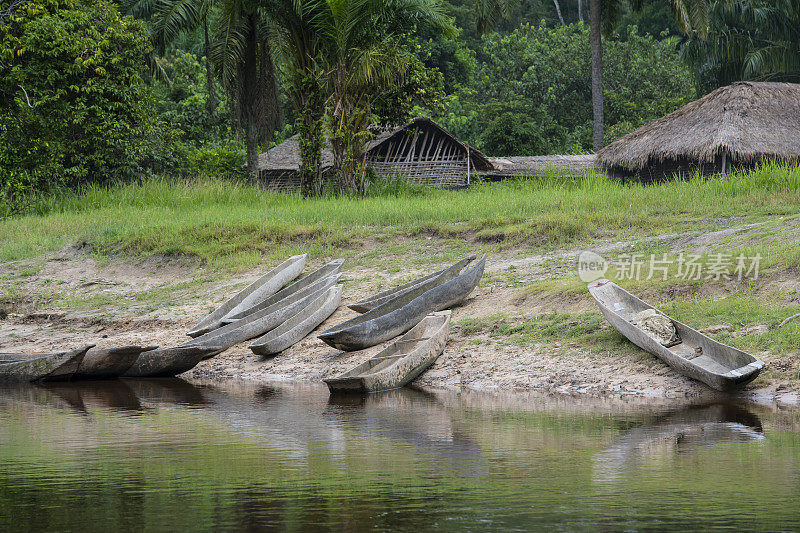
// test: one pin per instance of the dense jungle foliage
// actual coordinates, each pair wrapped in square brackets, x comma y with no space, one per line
[94,91]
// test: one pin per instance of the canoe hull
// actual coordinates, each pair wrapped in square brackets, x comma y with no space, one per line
[407,366]
[48,367]
[419,286]
[260,289]
[107,363]
[388,321]
[168,362]
[259,323]
[299,326]
[298,289]
[719,366]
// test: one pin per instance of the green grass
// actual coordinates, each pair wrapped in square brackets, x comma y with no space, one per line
[235,225]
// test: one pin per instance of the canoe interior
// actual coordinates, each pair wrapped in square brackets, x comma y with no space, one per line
[422,332]
[712,357]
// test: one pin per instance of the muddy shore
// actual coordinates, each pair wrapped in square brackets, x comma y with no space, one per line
[155,301]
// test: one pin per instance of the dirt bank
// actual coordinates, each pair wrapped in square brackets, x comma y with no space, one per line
[71,298]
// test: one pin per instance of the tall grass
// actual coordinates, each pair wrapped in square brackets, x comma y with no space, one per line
[213,219]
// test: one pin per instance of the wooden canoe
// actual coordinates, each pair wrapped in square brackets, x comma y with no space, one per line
[401,362]
[41,366]
[267,319]
[697,356]
[168,362]
[296,290]
[301,324]
[426,282]
[262,288]
[104,363]
[402,313]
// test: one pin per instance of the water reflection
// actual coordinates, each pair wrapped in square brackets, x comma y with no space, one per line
[679,431]
[410,417]
[164,454]
[85,396]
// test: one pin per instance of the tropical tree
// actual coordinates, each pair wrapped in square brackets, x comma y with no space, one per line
[748,40]
[364,56]
[300,45]
[238,46]
[690,15]
[340,55]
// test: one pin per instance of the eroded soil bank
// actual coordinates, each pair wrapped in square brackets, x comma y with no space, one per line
[72,297]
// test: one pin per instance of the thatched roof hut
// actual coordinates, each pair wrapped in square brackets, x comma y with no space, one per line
[421,150]
[738,125]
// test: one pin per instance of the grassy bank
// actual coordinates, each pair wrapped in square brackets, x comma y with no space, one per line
[236,225]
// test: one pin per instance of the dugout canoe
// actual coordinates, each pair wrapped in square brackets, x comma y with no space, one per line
[262,288]
[424,283]
[41,366]
[402,313]
[104,363]
[399,363]
[696,355]
[267,319]
[168,362]
[301,324]
[299,288]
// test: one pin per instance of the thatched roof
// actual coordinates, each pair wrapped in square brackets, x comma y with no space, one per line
[746,120]
[286,156]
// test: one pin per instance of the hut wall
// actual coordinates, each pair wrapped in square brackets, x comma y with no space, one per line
[287,180]
[279,180]
[422,155]
[672,169]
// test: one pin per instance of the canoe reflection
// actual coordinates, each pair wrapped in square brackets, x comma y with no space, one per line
[168,390]
[676,432]
[411,416]
[84,396]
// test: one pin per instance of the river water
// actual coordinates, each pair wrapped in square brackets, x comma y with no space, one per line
[166,455]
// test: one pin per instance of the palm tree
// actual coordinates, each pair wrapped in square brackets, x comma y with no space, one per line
[363,56]
[748,40]
[239,49]
[339,55]
[300,45]
[690,15]
[242,53]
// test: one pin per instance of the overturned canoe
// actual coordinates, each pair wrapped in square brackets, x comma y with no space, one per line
[691,353]
[103,363]
[262,288]
[426,282]
[298,289]
[265,320]
[301,324]
[168,362]
[402,313]
[401,362]
[41,366]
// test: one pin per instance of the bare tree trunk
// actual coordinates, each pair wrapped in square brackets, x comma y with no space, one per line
[212,97]
[595,39]
[580,10]
[268,82]
[251,141]
[558,10]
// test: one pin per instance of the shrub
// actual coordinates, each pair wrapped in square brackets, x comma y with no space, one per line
[73,104]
